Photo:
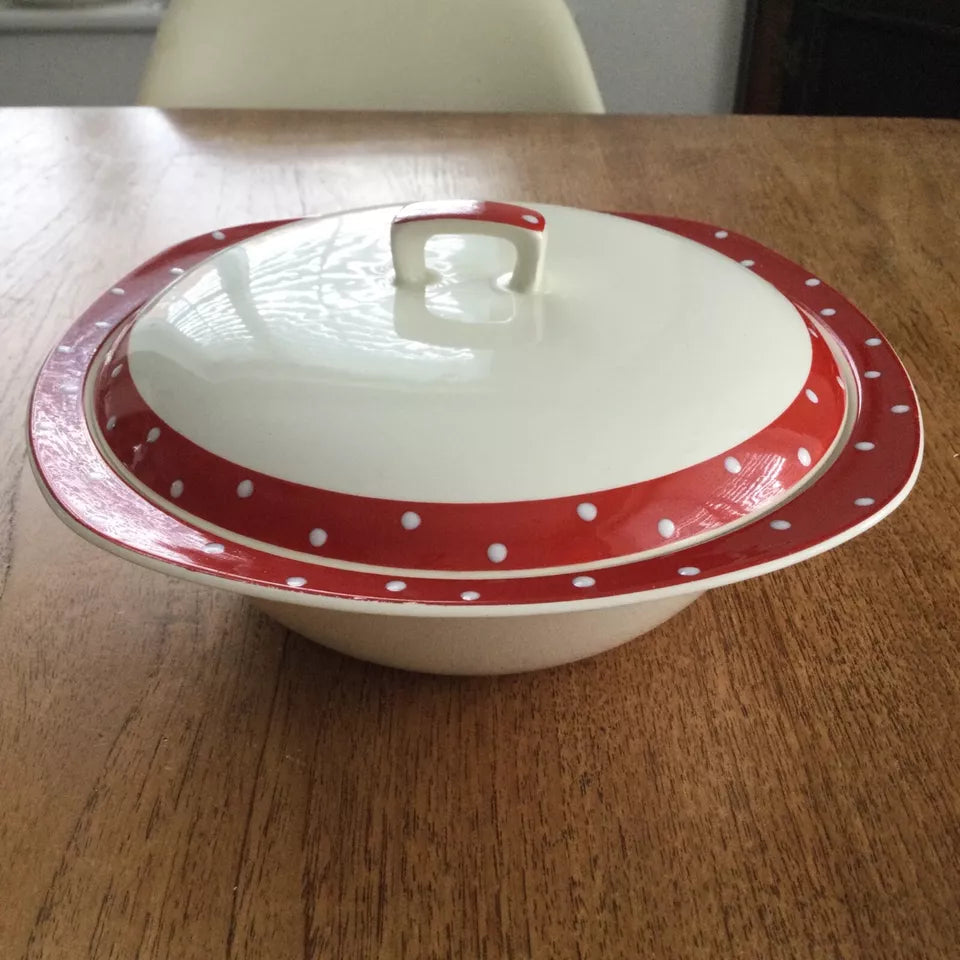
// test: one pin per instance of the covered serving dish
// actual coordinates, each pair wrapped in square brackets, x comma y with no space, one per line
[472,437]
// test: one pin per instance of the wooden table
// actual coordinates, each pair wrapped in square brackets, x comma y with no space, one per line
[775,773]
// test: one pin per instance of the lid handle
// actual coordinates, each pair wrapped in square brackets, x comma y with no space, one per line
[416,223]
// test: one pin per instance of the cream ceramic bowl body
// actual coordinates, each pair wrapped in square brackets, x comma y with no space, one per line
[477,644]
[472,437]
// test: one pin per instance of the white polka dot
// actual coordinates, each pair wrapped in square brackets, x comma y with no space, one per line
[176,488]
[213,548]
[872,374]
[103,324]
[688,571]
[245,489]
[864,501]
[63,348]
[827,312]
[732,465]
[318,537]
[496,553]
[813,333]
[218,235]
[803,455]
[812,282]
[780,524]
[530,218]
[864,445]
[811,396]
[118,291]
[176,271]
[395,586]
[666,528]
[748,263]
[899,408]
[116,371]
[582,583]
[153,434]
[111,422]
[469,595]
[721,234]
[587,511]
[410,520]
[296,581]
[873,341]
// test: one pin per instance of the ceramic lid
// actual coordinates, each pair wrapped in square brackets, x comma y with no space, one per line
[469,387]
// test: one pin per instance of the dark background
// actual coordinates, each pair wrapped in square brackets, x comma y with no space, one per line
[851,58]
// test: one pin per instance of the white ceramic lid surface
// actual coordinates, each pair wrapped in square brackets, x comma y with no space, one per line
[642,353]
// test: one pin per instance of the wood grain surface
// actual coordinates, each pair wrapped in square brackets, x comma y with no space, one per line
[773,774]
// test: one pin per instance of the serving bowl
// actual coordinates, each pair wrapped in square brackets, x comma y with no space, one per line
[472,436]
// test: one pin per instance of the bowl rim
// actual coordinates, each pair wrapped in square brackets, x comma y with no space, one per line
[92,499]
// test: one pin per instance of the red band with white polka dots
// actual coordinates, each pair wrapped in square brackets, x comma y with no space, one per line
[873,469]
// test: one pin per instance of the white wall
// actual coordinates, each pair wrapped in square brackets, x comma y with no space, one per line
[71,69]
[663,56]
[650,56]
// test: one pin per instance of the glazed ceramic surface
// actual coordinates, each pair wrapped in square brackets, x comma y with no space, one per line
[473,410]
